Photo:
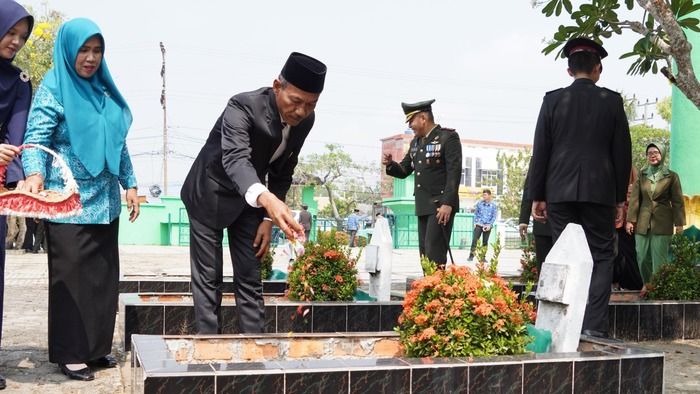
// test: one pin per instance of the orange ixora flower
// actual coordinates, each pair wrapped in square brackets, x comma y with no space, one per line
[444,308]
[339,279]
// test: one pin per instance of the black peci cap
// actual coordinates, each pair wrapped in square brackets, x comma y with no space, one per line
[304,72]
[581,44]
[411,109]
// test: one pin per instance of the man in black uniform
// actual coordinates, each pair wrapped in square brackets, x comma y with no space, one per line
[435,154]
[256,141]
[581,166]
[540,230]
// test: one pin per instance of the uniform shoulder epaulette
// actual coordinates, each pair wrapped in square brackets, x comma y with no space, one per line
[553,91]
[447,129]
[612,91]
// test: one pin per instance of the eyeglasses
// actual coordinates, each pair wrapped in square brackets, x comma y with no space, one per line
[653,153]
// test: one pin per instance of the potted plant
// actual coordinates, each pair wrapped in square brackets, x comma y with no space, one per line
[460,312]
[324,272]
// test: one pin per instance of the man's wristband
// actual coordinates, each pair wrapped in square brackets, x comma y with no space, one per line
[268,219]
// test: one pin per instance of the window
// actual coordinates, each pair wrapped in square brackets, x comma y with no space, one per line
[467,172]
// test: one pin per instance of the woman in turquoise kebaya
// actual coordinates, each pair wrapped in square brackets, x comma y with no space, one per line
[79,113]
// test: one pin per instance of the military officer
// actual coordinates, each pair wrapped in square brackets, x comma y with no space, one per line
[435,155]
[580,168]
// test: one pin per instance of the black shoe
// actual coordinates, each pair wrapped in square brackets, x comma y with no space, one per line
[81,374]
[107,361]
[595,334]
[3,383]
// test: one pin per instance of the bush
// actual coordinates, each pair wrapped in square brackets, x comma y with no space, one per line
[458,312]
[266,265]
[678,279]
[341,238]
[325,272]
[528,263]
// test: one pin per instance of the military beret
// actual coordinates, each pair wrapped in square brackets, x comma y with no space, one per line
[304,72]
[580,44]
[411,109]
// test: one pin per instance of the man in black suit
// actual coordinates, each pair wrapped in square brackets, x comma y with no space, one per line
[255,142]
[540,230]
[435,155]
[580,168]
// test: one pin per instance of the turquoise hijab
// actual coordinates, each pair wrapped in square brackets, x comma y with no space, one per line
[97,115]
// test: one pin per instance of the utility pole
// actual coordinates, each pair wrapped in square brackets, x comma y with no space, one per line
[165,123]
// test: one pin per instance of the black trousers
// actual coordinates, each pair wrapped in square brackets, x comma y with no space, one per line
[598,222]
[206,264]
[433,238]
[83,290]
[543,244]
[625,268]
[3,234]
[479,233]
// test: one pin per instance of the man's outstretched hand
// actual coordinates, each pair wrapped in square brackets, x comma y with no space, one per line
[280,214]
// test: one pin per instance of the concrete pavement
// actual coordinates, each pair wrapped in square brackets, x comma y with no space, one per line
[24,357]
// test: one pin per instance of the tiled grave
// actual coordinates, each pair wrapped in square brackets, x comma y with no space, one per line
[181,284]
[654,320]
[373,363]
[173,314]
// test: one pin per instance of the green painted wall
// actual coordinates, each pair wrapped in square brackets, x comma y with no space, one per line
[157,224]
[685,129]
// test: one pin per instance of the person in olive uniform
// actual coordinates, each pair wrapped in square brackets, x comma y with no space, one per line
[435,155]
[581,163]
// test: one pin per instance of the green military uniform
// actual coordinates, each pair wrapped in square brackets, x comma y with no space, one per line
[437,162]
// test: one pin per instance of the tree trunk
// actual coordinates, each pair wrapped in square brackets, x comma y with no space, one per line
[679,49]
[334,208]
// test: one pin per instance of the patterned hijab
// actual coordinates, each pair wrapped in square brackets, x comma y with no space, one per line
[10,14]
[97,115]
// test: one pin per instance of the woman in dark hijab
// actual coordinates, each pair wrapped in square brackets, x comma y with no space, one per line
[15,97]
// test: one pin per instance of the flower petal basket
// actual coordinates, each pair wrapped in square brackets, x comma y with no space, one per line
[48,204]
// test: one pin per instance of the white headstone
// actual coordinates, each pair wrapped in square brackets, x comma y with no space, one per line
[562,290]
[380,252]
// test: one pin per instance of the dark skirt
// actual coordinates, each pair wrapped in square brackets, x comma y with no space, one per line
[3,234]
[83,290]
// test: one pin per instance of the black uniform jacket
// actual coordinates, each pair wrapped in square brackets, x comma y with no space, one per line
[237,154]
[437,162]
[582,149]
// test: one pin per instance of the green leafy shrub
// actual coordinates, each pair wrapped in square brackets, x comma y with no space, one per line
[678,279]
[528,263]
[266,265]
[459,312]
[429,267]
[325,272]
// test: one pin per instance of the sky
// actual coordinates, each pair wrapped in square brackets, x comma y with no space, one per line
[480,60]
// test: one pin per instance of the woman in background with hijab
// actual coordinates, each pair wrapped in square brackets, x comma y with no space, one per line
[15,96]
[655,209]
[79,113]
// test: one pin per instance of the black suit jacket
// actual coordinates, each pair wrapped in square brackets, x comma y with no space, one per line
[582,150]
[237,154]
[437,162]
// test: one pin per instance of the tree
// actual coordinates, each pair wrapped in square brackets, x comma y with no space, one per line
[664,109]
[642,136]
[515,169]
[37,55]
[660,25]
[344,182]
